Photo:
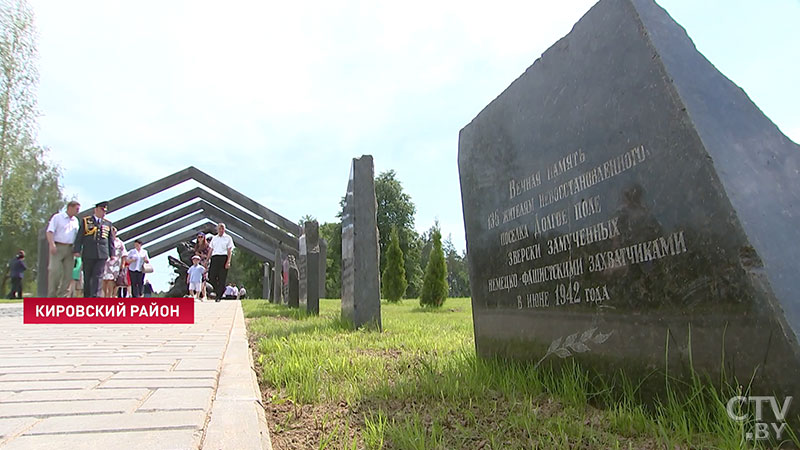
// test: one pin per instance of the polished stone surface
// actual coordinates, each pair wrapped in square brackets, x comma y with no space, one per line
[361,296]
[293,299]
[623,199]
[309,273]
[277,278]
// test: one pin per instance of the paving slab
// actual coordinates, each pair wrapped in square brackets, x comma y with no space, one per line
[189,374]
[194,420]
[154,383]
[55,376]
[131,387]
[39,385]
[40,369]
[164,399]
[120,368]
[76,395]
[10,427]
[163,438]
[64,408]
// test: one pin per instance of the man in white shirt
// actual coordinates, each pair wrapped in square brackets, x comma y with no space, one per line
[61,231]
[221,252]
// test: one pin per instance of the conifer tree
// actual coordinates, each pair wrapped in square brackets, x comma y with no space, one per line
[434,285]
[393,281]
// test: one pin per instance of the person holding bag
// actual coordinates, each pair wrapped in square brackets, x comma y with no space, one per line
[138,265]
[123,279]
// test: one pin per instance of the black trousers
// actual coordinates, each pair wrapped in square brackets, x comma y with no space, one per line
[137,283]
[92,273]
[16,288]
[218,274]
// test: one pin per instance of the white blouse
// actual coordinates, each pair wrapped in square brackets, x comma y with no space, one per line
[137,259]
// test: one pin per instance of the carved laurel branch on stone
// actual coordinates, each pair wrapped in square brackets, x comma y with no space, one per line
[575,343]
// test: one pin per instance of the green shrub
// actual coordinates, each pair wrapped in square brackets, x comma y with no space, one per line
[434,285]
[393,280]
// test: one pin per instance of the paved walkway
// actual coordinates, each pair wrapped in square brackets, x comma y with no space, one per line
[130,386]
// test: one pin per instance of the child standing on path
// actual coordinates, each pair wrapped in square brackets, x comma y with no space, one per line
[195,277]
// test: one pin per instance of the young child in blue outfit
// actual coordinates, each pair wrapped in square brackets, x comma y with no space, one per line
[195,278]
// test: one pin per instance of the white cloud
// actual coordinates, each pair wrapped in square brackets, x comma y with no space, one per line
[274,98]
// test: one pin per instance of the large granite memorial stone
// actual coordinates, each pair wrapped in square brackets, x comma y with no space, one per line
[302,269]
[624,201]
[361,296]
[323,266]
[277,278]
[293,287]
[309,296]
[265,285]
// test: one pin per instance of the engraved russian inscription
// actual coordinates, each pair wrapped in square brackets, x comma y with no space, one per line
[587,207]
[562,266]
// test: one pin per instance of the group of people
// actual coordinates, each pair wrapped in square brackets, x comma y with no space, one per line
[234,293]
[87,259]
[210,262]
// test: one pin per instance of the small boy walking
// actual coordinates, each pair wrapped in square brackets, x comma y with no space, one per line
[195,278]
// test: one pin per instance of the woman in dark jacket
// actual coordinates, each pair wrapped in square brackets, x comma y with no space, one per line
[17,267]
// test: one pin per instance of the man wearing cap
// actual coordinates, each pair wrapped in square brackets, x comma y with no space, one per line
[61,232]
[94,244]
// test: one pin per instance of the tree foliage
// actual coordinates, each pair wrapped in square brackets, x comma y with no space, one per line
[396,210]
[393,280]
[434,286]
[457,270]
[247,269]
[29,184]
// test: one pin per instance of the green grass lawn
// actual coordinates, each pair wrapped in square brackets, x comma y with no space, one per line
[10,301]
[419,385]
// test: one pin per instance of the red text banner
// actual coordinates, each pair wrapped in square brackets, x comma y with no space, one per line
[108,310]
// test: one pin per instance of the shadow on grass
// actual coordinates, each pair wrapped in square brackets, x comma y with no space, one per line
[442,310]
[257,309]
[304,324]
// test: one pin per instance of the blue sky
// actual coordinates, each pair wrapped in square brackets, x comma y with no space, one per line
[275,98]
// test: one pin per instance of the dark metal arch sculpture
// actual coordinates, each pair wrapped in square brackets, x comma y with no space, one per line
[258,229]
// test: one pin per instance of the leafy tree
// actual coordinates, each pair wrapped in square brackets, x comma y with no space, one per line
[396,210]
[457,270]
[393,281]
[29,184]
[434,286]
[247,269]
[18,79]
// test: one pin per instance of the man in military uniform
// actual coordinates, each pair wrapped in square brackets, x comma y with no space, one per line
[95,245]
